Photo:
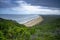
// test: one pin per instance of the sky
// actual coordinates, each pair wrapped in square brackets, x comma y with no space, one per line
[43,7]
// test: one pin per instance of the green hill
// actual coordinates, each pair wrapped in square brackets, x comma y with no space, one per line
[11,30]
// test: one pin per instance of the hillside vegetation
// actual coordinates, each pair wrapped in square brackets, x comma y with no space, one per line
[11,30]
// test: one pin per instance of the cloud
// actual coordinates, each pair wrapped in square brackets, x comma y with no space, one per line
[22,7]
[47,3]
[8,3]
[26,8]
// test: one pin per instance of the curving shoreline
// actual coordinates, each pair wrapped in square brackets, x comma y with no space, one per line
[34,21]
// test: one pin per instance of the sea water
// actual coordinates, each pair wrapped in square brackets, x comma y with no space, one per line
[19,17]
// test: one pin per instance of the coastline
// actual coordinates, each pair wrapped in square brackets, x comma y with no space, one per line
[34,21]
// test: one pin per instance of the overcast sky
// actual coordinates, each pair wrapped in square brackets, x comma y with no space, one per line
[43,7]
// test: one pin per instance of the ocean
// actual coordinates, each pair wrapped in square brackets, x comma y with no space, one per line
[18,17]
[23,18]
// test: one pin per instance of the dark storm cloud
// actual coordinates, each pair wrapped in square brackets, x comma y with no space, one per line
[47,3]
[8,3]
[30,7]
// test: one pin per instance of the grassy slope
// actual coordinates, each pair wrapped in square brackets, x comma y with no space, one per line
[11,30]
[49,29]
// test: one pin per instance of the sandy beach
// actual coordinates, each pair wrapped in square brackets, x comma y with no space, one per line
[34,21]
